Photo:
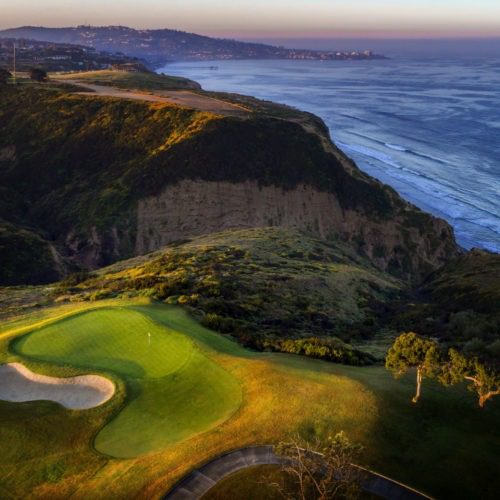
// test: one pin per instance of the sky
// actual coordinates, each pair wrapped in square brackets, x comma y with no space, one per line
[270,18]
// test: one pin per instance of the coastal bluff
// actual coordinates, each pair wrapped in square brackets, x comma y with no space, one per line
[95,179]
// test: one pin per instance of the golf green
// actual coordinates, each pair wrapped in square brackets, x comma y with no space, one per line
[160,367]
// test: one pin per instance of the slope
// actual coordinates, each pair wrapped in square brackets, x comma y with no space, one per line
[282,394]
[101,178]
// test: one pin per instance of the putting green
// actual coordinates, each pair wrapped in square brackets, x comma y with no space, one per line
[173,390]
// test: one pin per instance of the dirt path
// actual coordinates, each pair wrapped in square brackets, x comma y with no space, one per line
[198,482]
[185,98]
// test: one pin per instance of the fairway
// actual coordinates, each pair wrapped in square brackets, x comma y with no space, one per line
[191,394]
[173,390]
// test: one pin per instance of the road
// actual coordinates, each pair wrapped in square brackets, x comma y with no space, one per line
[184,98]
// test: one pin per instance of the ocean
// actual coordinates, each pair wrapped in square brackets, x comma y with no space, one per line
[429,126]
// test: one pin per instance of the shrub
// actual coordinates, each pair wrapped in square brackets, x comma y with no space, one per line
[38,74]
[99,295]
[329,349]
[219,323]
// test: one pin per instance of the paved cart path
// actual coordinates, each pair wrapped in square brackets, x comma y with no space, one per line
[197,483]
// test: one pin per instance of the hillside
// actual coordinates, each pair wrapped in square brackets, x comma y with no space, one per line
[260,285]
[234,279]
[163,45]
[283,289]
[58,56]
[103,179]
[460,304]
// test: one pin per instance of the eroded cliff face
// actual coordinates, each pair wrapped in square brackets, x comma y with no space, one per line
[100,247]
[189,208]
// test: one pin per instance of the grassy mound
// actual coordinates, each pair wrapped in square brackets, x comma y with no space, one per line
[160,367]
[122,341]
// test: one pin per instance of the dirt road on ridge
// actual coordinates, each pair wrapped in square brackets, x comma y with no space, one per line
[185,98]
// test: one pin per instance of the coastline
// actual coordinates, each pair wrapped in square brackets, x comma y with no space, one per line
[424,166]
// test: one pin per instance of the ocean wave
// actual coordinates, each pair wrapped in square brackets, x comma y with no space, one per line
[401,149]
[370,153]
[398,132]
[395,147]
[386,159]
[439,195]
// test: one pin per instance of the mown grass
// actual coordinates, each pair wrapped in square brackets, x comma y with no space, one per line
[160,367]
[445,445]
[119,340]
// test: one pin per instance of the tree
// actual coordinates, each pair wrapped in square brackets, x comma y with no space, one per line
[485,380]
[413,351]
[4,76]
[320,470]
[38,74]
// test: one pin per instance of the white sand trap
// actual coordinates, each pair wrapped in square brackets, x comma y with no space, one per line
[19,384]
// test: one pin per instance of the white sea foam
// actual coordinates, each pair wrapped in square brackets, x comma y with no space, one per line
[395,147]
[419,127]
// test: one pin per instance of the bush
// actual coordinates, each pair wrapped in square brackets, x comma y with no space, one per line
[38,74]
[329,349]
[76,278]
[219,323]
[99,295]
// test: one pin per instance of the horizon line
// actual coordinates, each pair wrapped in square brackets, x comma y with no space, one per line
[290,36]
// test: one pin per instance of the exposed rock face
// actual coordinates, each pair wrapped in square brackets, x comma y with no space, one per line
[100,247]
[135,176]
[192,208]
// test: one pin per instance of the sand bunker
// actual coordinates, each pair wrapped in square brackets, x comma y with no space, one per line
[19,384]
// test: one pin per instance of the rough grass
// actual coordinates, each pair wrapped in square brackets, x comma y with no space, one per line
[130,80]
[445,446]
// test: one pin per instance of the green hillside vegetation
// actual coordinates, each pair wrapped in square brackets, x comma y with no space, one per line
[261,286]
[82,163]
[26,256]
[283,290]
[53,454]
[132,139]
[131,80]
[459,304]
